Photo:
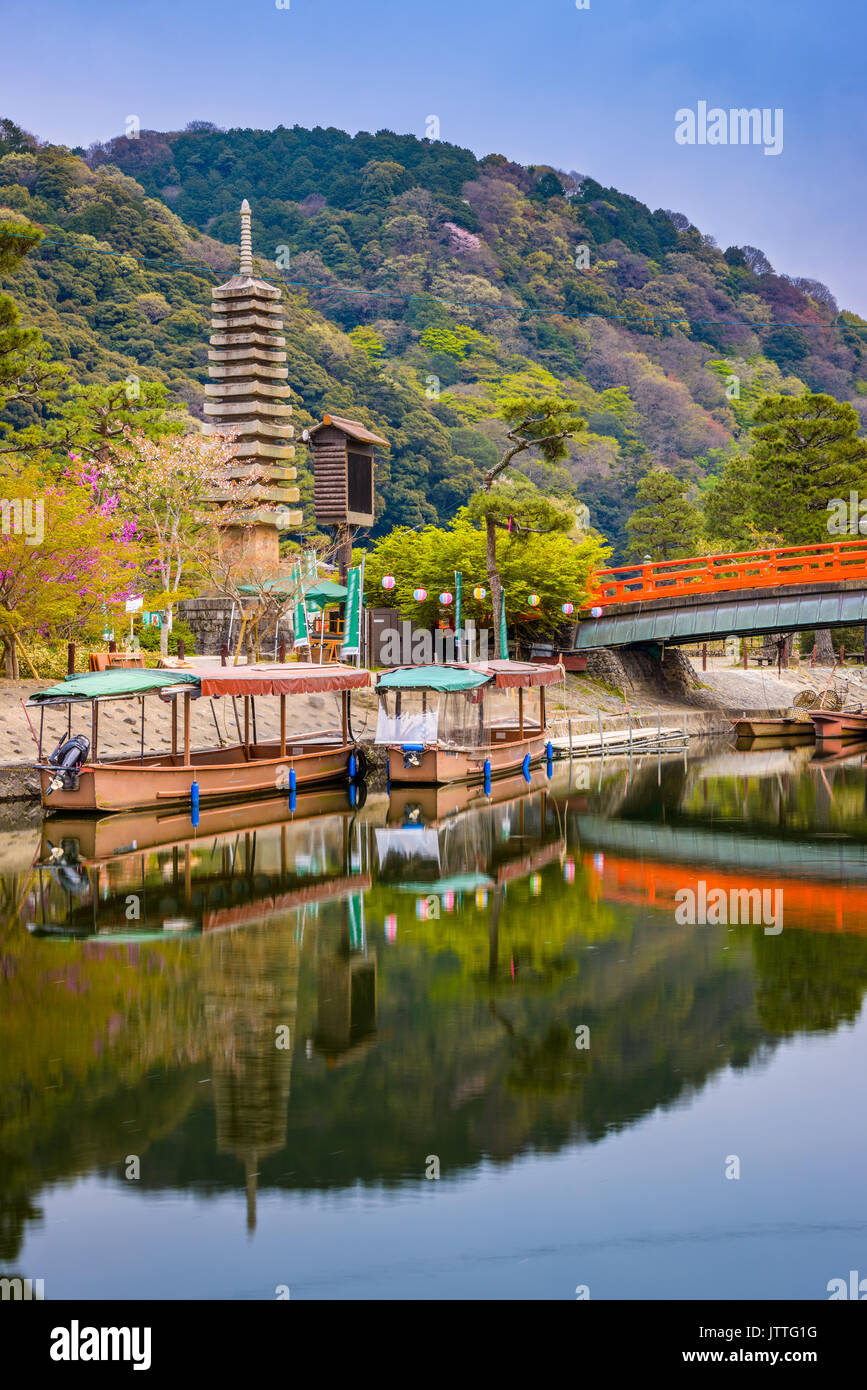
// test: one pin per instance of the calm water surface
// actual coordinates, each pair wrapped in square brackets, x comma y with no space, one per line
[285,1023]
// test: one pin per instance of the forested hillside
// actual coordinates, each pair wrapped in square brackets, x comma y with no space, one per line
[422,287]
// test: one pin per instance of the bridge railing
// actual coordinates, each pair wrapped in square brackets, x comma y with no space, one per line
[745,569]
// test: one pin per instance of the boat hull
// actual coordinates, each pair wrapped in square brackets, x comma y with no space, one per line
[836,725]
[439,766]
[222,775]
[788,729]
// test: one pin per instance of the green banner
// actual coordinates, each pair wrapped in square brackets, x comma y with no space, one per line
[353,613]
[504,636]
[355,903]
[458,642]
[302,637]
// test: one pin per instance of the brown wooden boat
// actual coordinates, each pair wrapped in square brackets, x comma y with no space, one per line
[437,727]
[74,778]
[839,724]
[790,729]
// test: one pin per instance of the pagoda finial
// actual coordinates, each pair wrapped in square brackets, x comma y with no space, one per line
[246,240]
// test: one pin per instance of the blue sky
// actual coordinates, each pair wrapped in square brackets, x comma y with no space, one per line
[593,90]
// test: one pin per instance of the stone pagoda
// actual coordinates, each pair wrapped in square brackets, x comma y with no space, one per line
[249,393]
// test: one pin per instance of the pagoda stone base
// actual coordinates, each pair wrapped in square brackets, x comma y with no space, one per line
[257,548]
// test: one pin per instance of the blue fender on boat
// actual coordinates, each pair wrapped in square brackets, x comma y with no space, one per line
[194,803]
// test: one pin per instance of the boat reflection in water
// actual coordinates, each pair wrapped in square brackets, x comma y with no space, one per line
[307,1004]
[140,875]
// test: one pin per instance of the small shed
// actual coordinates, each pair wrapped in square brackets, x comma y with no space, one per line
[343,459]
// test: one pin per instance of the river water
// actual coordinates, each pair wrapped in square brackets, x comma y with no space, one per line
[440,1045]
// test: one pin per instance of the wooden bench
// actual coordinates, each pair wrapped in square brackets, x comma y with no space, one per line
[109,661]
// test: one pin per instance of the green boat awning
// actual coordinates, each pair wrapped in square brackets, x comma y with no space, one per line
[98,684]
[442,678]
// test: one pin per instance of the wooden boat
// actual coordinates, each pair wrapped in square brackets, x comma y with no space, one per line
[438,727]
[839,724]
[74,778]
[791,729]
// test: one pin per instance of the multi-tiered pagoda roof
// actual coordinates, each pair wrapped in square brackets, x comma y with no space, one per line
[249,393]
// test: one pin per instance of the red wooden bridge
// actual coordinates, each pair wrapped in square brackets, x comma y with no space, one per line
[741,593]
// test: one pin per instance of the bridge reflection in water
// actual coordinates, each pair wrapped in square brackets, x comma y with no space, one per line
[310,1001]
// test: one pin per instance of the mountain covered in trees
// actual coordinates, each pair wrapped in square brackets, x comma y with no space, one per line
[423,286]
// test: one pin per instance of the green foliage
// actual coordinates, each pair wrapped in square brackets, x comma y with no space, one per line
[542,423]
[149,637]
[501,313]
[516,503]
[806,451]
[552,565]
[665,525]
[368,341]
[93,421]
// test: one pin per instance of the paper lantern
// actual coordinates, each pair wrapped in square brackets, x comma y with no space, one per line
[568,608]
[596,612]
[419,595]
[533,600]
[480,593]
[388,581]
[391,927]
[445,597]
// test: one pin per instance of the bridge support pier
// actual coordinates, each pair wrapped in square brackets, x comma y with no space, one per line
[666,670]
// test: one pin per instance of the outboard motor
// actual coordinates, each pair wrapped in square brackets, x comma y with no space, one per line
[412,754]
[67,757]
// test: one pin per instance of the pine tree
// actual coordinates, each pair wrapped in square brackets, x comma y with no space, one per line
[665,525]
[805,454]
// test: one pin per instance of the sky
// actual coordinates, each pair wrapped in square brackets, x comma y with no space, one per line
[594,90]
